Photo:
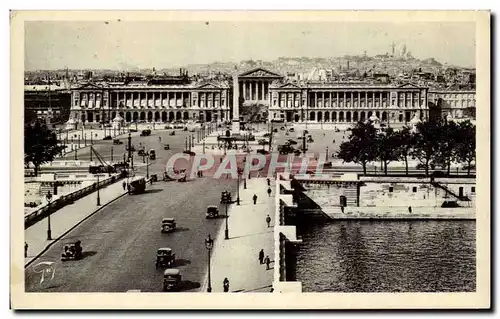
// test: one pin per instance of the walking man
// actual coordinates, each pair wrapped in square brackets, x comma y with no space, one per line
[26,250]
[409,209]
[267,261]
[268,221]
[124,184]
[226,285]
[261,256]
[254,199]
[128,188]
[269,191]
[268,182]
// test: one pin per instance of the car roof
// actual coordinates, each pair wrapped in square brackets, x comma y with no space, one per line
[212,206]
[169,219]
[171,272]
[165,249]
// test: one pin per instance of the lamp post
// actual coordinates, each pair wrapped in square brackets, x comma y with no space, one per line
[147,166]
[326,156]
[238,187]
[49,231]
[209,243]
[225,200]
[111,154]
[98,195]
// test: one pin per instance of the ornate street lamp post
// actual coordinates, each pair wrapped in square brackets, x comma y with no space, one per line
[209,243]
[49,231]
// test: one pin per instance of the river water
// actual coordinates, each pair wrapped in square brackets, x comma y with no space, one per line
[387,256]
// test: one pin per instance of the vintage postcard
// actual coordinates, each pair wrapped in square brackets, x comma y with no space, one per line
[250,160]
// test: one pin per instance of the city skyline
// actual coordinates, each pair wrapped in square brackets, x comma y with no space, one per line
[123,45]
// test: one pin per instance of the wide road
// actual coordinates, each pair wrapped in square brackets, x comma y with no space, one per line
[121,240]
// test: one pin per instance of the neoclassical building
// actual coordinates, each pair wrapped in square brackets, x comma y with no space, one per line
[151,102]
[454,103]
[166,99]
[346,102]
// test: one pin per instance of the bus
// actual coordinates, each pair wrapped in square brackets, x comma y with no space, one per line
[138,185]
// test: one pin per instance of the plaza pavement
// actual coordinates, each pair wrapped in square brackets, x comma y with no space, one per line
[66,218]
[237,257]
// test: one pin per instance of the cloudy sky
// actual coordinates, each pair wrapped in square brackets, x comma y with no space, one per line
[120,45]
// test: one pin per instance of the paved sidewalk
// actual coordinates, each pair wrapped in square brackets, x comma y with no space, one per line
[237,258]
[67,217]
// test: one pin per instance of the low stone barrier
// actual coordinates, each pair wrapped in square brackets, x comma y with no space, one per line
[32,217]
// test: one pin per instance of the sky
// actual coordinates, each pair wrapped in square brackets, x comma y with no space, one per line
[127,45]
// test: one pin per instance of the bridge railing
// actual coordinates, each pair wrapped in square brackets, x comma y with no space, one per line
[46,209]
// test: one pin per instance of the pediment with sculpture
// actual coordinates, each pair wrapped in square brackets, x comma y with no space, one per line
[260,73]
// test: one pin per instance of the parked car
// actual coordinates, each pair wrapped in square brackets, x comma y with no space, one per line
[117,142]
[72,251]
[106,138]
[190,153]
[171,133]
[263,152]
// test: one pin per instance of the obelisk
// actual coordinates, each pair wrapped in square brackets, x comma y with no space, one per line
[235,129]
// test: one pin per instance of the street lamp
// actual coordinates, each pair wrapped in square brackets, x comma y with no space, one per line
[147,166]
[225,200]
[326,157]
[209,243]
[49,231]
[238,187]
[98,195]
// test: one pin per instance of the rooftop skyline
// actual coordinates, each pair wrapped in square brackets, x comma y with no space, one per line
[129,45]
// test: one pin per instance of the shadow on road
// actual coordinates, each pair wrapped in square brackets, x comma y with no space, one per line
[189,285]
[153,191]
[88,253]
[179,229]
[181,262]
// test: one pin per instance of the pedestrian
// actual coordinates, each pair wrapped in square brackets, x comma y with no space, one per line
[267,261]
[254,199]
[342,209]
[124,184]
[268,221]
[226,285]
[128,188]
[268,182]
[159,137]
[26,250]
[409,209]
[269,191]
[261,256]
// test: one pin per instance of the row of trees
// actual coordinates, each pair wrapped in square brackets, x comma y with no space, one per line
[433,144]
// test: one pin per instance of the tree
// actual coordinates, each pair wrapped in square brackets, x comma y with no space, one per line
[387,146]
[426,141]
[447,145]
[40,145]
[361,147]
[466,146]
[404,145]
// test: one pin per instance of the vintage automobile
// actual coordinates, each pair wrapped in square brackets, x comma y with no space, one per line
[172,279]
[117,142]
[152,154]
[262,151]
[212,211]
[168,225]
[166,146]
[107,138]
[72,251]
[141,152]
[165,258]
[182,179]
[190,153]
[171,133]
[146,132]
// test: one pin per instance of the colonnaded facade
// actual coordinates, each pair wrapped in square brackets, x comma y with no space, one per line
[298,102]
[347,102]
[102,102]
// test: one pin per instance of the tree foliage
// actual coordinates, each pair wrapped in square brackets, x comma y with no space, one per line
[40,145]
[361,145]
[466,148]
[387,144]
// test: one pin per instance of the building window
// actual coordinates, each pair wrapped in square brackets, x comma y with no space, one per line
[414,189]
[391,189]
[473,189]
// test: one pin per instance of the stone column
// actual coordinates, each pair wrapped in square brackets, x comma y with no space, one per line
[263,88]
[236,111]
